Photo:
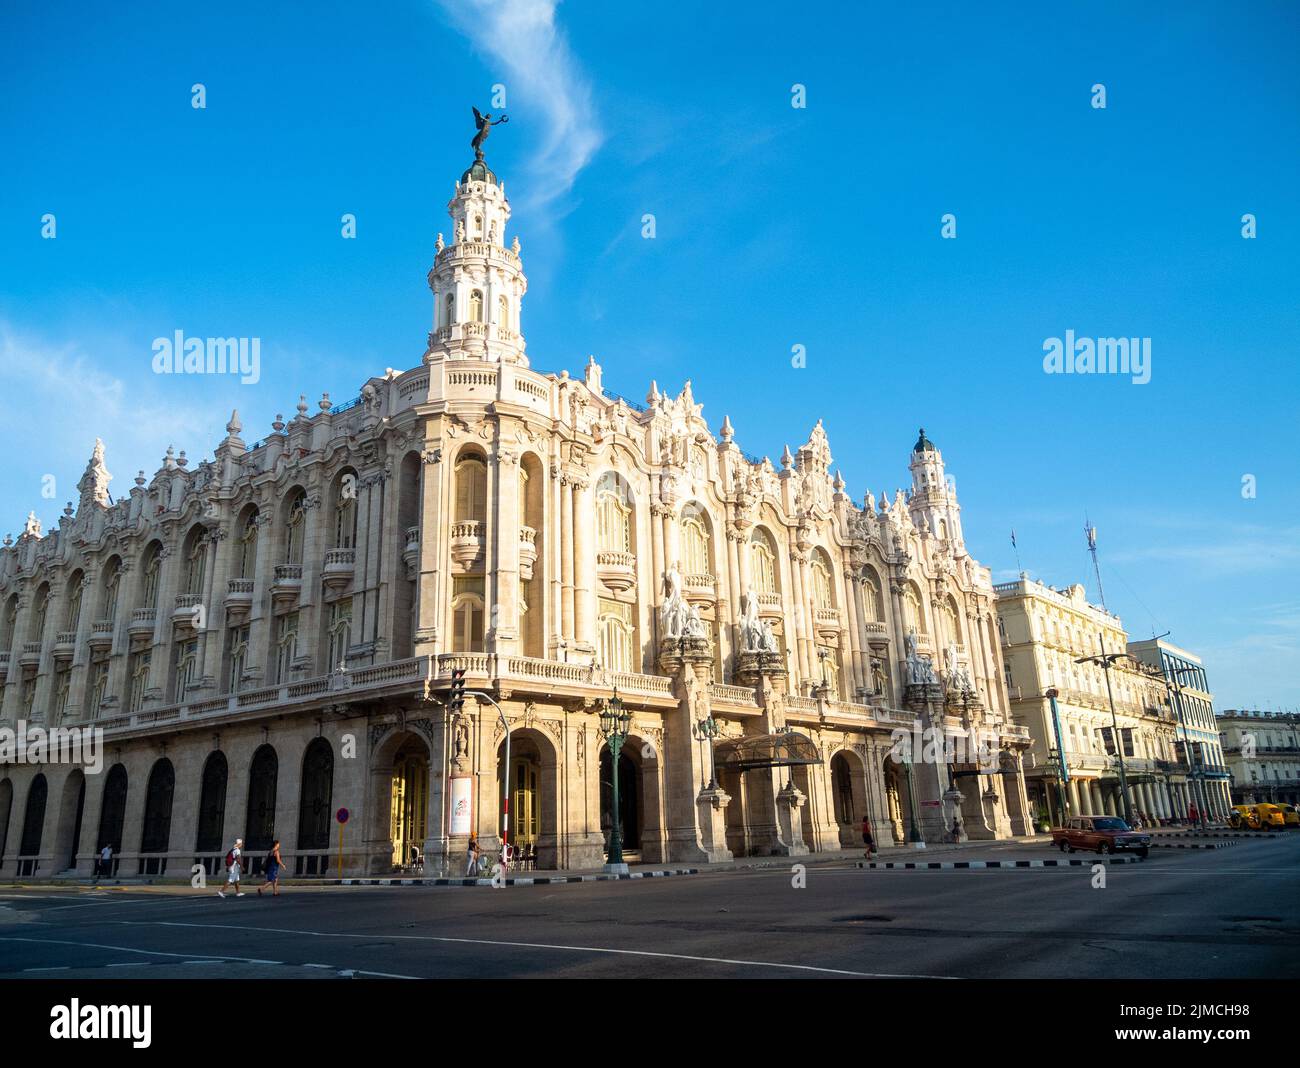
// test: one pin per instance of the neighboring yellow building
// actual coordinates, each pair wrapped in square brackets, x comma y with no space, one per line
[1045,631]
[1262,750]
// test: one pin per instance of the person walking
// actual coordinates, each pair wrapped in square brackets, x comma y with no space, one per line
[272,871]
[104,862]
[233,861]
[471,854]
[867,839]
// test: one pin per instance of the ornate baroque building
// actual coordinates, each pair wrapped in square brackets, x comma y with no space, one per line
[267,637]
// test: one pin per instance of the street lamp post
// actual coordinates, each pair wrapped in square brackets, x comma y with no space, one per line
[708,730]
[1106,661]
[614,723]
[914,834]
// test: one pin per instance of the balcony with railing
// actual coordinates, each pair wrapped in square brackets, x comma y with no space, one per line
[239,598]
[339,565]
[286,585]
[188,611]
[699,589]
[65,644]
[30,654]
[101,634]
[468,541]
[617,570]
[527,552]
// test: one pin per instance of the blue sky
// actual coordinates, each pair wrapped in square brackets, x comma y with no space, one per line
[775,227]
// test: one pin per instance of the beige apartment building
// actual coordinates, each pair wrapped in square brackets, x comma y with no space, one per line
[1262,750]
[1045,632]
[267,637]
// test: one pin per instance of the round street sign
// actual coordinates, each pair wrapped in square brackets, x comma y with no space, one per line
[341,815]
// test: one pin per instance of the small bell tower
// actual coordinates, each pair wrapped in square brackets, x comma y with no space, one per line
[932,495]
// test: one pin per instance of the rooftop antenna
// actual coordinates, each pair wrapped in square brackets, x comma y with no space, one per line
[1090,532]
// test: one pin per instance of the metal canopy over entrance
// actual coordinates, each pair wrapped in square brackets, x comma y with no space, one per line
[765,751]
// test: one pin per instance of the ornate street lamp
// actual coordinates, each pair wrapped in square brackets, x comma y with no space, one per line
[707,729]
[614,724]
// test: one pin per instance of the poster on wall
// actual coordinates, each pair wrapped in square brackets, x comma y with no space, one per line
[461,818]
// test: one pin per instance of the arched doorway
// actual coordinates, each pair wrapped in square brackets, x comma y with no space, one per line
[212,813]
[629,800]
[259,834]
[156,836]
[6,807]
[848,777]
[895,798]
[409,804]
[314,808]
[532,796]
[112,815]
[399,803]
[29,848]
[67,831]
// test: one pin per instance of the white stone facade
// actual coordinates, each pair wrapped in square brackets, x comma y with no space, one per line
[267,637]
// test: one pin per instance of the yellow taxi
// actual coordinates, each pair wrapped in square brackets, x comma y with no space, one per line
[1291,815]
[1270,815]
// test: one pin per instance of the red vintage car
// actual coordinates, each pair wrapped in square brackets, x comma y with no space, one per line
[1101,834]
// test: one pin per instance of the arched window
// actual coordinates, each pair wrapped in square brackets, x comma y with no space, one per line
[467,616]
[471,488]
[613,515]
[821,581]
[871,598]
[503,311]
[158,808]
[762,562]
[152,566]
[195,558]
[212,804]
[340,633]
[695,541]
[187,669]
[73,618]
[286,647]
[113,813]
[297,529]
[478,225]
[139,679]
[616,636]
[951,627]
[913,616]
[317,796]
[34,820]
[238,657]
[112,587]
[345,511]
[449,309]
[247,559]
[10,631]
[38,617]
[262,775]
[476,306]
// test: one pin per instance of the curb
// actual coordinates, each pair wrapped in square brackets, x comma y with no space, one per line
[1191,845]
[1220,834]
[982,864]
[515,880]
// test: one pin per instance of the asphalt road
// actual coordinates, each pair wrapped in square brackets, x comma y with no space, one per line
[1228,913]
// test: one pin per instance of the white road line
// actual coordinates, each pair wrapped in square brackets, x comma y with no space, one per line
[55,968]
[545,945]
[130,949]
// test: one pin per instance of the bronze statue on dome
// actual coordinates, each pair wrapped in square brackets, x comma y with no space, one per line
[484,124]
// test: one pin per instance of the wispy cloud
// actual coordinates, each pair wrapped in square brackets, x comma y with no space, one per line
[68,400]
[1237,549]
[542,77]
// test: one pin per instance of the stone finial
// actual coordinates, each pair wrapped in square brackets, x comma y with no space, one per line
[278,424]
[68,510]
[593,374]
[32,528]
[169,458]
[839,481]
[786,459]
[324,402]
[440,244]
[140,480]
[302,406]
[234,426]
[727,432]
[652,398]
[514,245]
[93,484]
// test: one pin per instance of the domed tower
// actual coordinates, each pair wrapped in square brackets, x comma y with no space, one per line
[478,283]
[932,495]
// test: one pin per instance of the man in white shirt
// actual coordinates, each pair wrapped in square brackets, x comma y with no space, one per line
[232,866]
[104,868]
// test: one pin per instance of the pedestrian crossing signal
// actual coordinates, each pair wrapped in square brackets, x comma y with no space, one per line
[456,699]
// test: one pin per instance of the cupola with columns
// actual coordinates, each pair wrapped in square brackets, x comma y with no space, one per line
[478,283]
[932,498]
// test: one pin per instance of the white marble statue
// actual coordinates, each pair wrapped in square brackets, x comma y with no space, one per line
[755,634]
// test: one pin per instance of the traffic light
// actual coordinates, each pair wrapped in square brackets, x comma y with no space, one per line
[456,699]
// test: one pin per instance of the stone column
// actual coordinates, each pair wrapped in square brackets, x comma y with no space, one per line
[503,633]
[584,592]
[429,582]
[566,563]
